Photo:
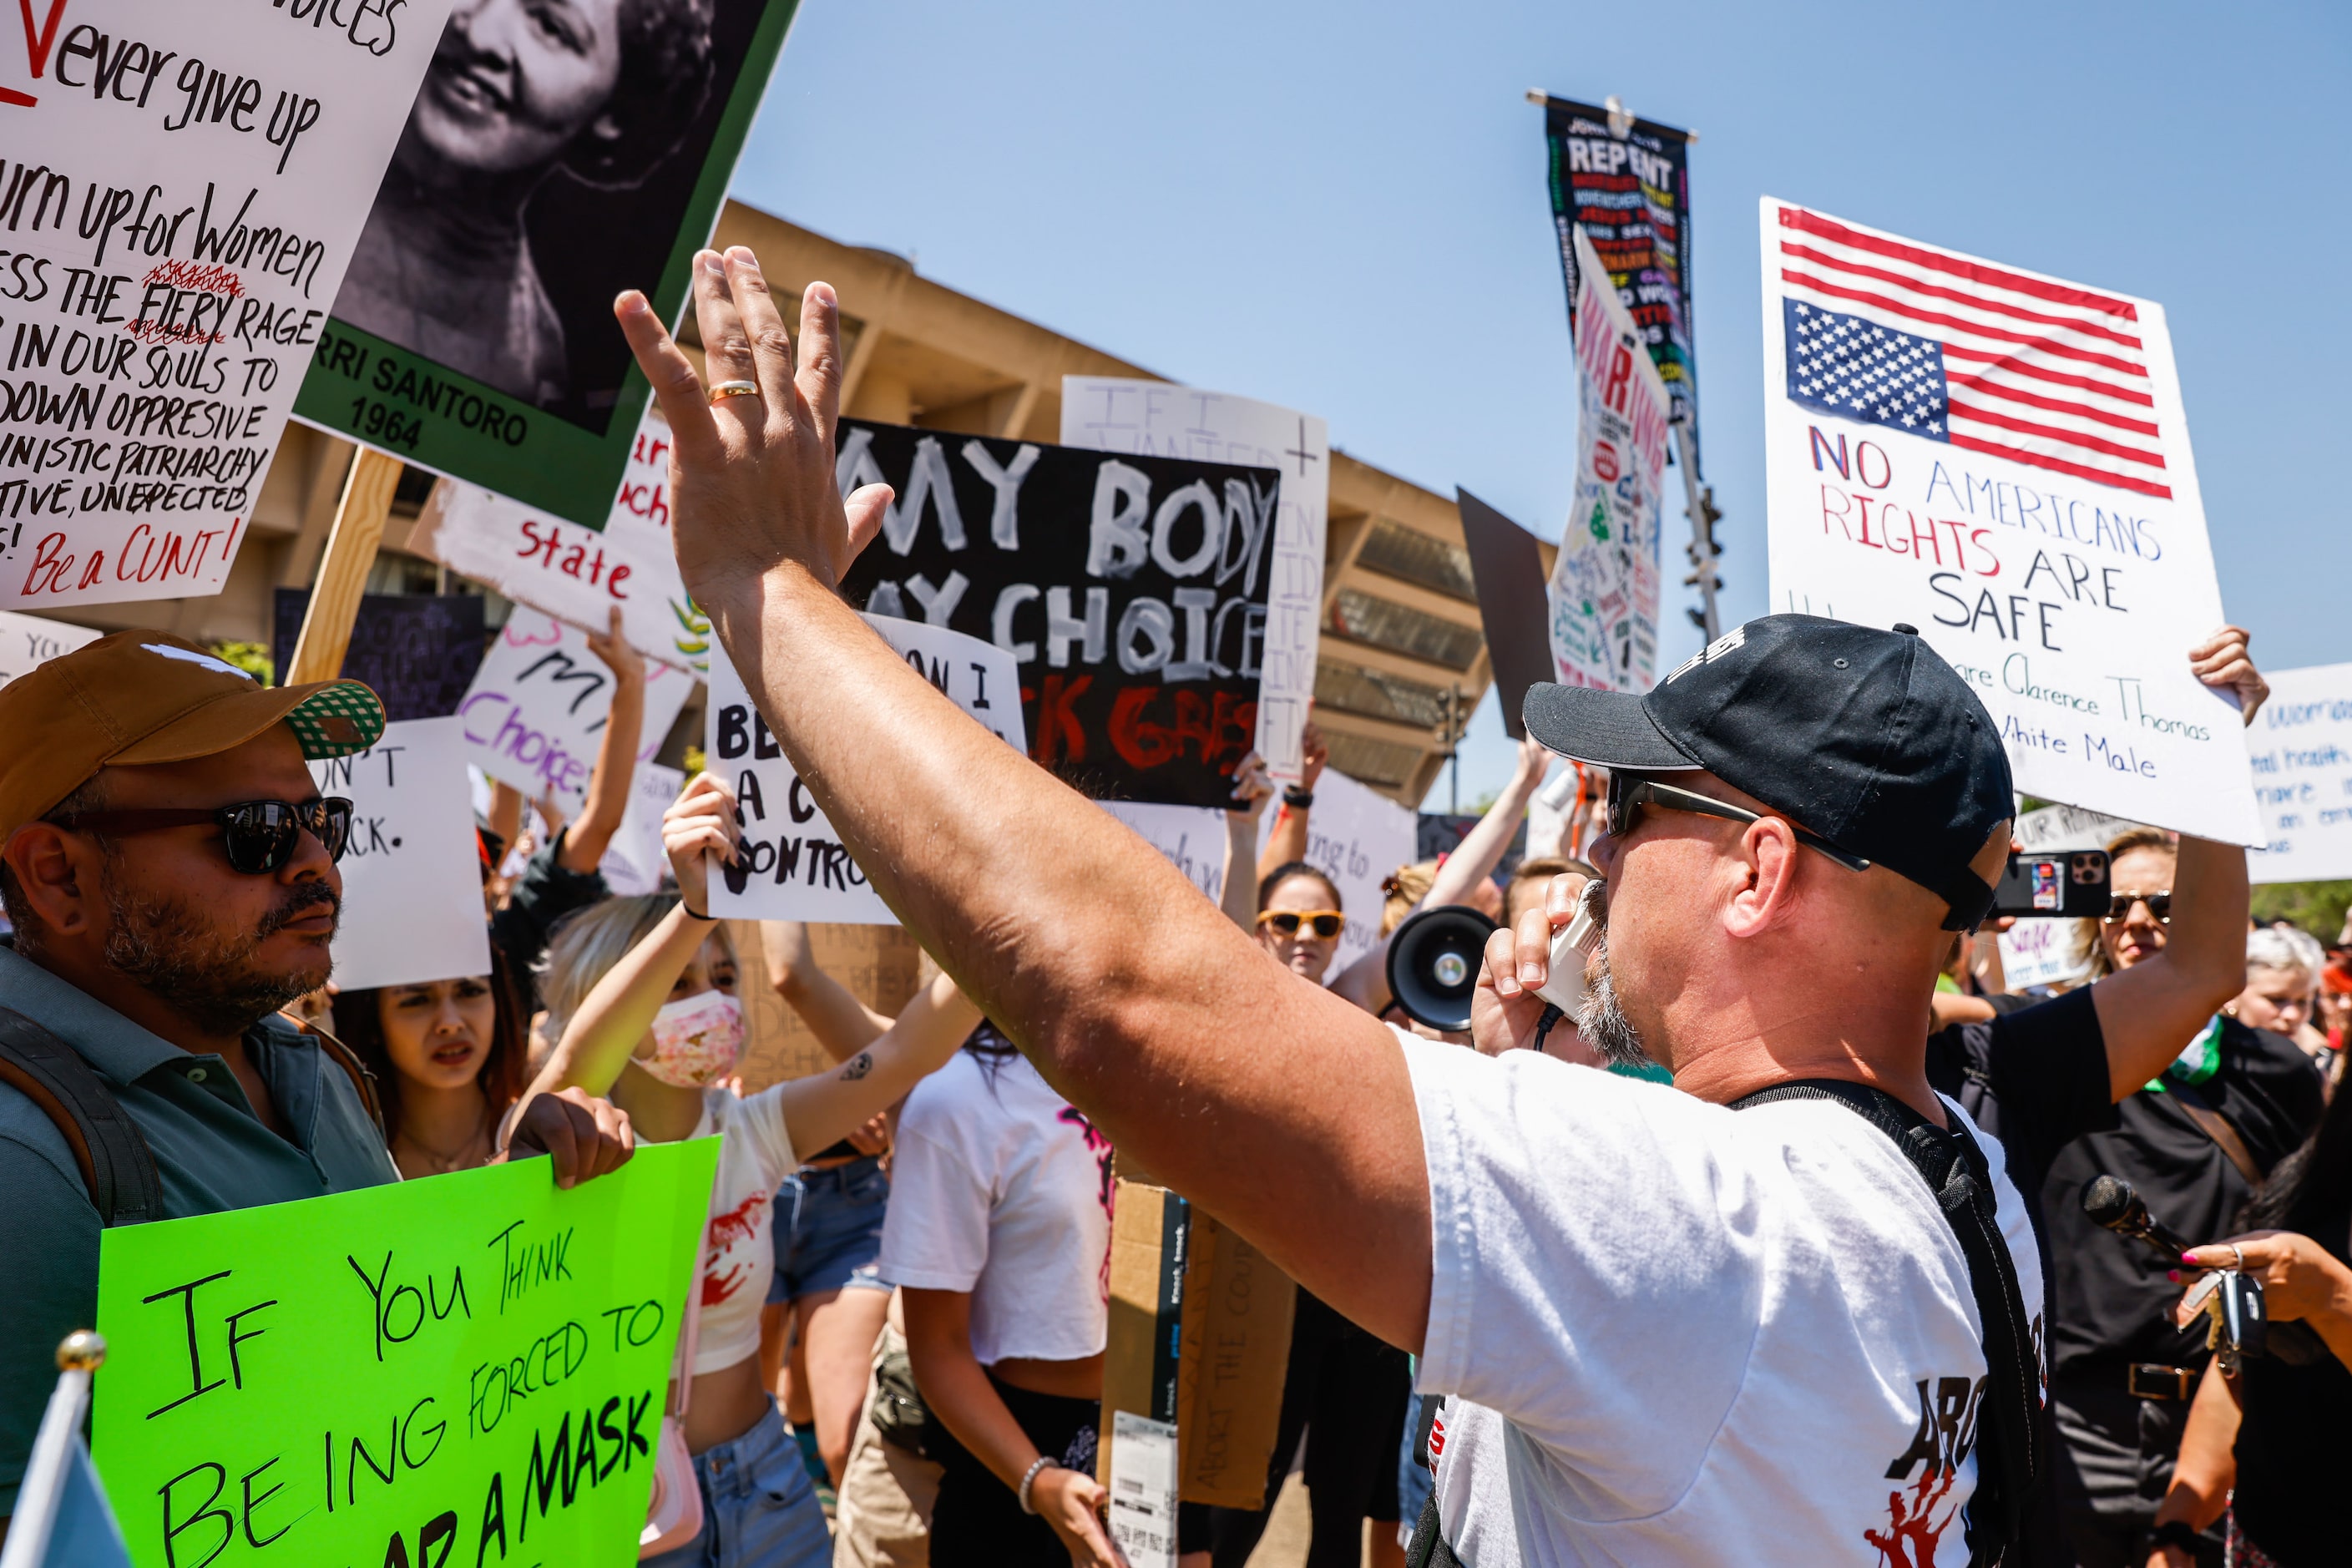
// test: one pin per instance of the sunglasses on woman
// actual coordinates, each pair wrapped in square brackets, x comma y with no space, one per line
[2160,905]
[260,835]
[1320,923]
[1629,792]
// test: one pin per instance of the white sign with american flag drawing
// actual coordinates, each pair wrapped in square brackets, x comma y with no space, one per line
[2000,458]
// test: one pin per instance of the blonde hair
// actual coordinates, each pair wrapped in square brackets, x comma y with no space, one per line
[587,943]
[1405,886]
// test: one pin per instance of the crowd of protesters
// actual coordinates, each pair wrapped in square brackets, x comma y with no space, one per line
[898,1344]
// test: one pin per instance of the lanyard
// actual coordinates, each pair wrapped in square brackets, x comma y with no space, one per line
[2199,1062]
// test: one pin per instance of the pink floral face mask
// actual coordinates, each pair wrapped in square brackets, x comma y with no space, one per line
[697,1041]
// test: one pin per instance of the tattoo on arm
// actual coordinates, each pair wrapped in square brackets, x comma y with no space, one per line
[858,1067]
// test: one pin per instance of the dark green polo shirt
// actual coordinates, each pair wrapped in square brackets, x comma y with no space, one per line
[211,1151]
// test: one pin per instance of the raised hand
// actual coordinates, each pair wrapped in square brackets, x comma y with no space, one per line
[1251,787]
[2221,661]
[699,823]
[1314,753]
[627,665]
[751,481]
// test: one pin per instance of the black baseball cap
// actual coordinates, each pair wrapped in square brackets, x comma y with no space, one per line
[1865,738]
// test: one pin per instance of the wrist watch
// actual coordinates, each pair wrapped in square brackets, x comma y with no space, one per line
[1297,797]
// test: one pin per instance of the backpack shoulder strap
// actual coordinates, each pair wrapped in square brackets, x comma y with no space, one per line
[117,1167]
[2008,1426]
[364,1080]
[2216,1127]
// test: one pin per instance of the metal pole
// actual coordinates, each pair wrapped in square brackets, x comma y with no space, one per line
[1701,549]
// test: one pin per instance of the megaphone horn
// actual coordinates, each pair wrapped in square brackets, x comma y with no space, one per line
[1432,965]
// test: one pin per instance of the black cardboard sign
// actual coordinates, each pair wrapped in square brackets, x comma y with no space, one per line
[417,652]
[1508,570]
[1130,590]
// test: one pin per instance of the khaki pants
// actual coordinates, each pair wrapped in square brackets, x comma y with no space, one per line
[883,1517]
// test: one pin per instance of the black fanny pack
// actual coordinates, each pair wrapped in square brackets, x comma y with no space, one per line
[2009,1424]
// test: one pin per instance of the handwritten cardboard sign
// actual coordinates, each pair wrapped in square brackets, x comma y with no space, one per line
[473,335]
[1191,838]
[1130,590]
[27,642]
[2301,745]
[2002,460]
[416,651]
[465,1369]
[186,187]
[790,865]
[2050,827]
[2043,952]
[535,713]
[1112,413]
[576,574]
[411,887]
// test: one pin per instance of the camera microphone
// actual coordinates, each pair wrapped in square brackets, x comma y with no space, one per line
[2110,1201]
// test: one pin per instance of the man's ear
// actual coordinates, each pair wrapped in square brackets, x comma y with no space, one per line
[56,874]
[1765,859]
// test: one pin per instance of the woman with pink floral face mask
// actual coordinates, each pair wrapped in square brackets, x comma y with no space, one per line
[641,995]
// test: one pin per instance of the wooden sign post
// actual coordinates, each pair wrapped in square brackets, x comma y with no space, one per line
[343,569]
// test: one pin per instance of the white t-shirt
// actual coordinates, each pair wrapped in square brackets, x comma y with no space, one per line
[1003,1188]
[754,1161]
[1676,1332]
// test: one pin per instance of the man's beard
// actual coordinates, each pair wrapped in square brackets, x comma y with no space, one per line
[166,949]
[1598,1018]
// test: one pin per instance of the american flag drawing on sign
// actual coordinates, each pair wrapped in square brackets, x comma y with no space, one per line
[1951,348]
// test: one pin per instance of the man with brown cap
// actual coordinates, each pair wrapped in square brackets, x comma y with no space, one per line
[169,867]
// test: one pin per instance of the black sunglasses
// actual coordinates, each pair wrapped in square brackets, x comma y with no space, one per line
[2158,904]
[260,835]
[1629,792]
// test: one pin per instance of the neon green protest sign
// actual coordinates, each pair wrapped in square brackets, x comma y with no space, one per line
[465,1371]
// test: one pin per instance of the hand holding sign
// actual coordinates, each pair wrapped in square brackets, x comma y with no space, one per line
[700,827]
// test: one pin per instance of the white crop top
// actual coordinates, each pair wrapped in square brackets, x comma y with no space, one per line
[754,1158]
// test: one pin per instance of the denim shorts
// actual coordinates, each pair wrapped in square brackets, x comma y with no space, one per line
[758,1509]
[829,1230]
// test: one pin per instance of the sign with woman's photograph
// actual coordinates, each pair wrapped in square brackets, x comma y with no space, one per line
[555,155]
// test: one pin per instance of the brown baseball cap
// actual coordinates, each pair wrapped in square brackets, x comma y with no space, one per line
[149,697]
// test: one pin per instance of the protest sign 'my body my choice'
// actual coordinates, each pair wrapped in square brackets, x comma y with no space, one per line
[184,187]
[464,1370]
[2000,460]
[1130,590]
[1115,415]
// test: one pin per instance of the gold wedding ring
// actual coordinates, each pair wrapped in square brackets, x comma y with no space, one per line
[733,389]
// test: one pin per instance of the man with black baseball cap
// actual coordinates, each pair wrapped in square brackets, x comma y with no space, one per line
[168,866]
[1673,1331]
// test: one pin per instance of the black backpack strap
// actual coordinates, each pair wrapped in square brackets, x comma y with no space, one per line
[116,1164]
[2008,1421]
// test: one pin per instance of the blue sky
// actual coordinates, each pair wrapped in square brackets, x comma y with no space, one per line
[1341,207]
